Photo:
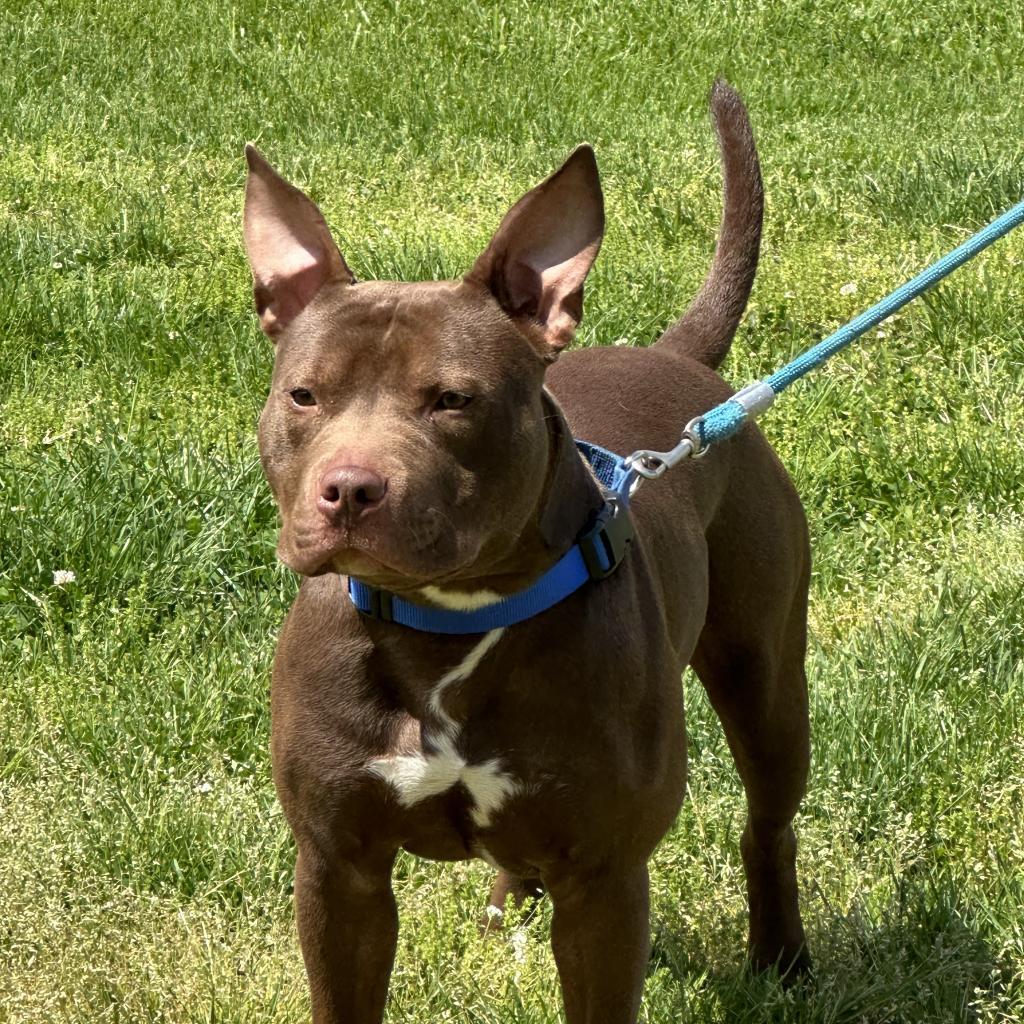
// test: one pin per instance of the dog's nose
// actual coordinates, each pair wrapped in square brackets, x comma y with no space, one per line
[349,491]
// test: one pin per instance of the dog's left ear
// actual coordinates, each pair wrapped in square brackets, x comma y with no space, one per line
[540,255]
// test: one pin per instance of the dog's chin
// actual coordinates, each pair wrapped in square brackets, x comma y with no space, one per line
[375,564]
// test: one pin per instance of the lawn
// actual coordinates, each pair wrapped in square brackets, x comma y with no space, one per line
[144,863]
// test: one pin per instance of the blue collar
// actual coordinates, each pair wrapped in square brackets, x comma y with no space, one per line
[598,550]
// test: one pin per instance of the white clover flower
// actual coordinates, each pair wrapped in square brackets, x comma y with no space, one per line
[204,787]
[849,288]
[62,577]
[621,342]
[519,941]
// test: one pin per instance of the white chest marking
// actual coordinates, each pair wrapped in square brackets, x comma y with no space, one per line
[418,776]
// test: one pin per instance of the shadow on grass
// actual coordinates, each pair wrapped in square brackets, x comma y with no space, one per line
[922,958]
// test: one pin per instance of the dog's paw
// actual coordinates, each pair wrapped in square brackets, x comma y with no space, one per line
[791,968]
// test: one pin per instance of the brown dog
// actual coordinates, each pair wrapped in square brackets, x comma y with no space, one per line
[410,442]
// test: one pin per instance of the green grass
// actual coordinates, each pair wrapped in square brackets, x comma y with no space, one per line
[144,863]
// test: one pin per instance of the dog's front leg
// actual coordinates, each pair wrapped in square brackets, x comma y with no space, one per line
[600,935]
[348,928]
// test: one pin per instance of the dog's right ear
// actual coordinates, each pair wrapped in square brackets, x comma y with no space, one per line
[290,249]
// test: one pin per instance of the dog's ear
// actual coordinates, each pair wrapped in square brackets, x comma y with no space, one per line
[290,248]
[539,257]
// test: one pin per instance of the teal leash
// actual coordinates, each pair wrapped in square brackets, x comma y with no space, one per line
[726,419]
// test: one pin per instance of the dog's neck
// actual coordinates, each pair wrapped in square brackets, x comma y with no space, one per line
[571,492]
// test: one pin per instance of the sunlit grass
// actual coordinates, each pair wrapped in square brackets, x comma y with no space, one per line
[145,866]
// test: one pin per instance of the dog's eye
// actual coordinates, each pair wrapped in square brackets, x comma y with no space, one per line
[302,397]
[451,400]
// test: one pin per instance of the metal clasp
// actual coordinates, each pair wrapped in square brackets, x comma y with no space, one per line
[649,465]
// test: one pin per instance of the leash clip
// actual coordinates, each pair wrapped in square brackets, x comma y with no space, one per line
[604,544]
[649,465]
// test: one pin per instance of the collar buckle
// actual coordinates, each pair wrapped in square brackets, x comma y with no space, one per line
[604,544]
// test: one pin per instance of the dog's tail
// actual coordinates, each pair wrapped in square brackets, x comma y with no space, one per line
[705,330]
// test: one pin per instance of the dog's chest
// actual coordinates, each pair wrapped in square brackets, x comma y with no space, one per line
[429,759]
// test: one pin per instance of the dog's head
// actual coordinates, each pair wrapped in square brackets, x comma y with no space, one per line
[405,434]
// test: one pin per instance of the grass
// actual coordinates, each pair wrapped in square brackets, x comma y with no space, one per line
[144,863]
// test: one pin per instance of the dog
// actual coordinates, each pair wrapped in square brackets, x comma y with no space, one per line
[419,441]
